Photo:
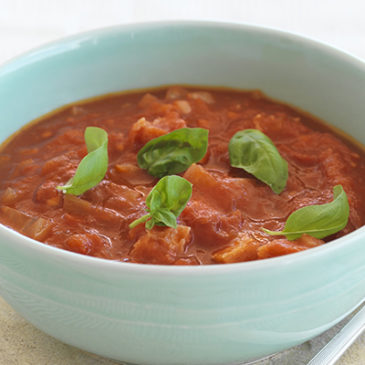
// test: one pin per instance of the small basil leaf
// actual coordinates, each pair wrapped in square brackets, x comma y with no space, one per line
[319,221]
[254,152]
[165,202]
[149,224]
[154,201]
[174,152]
[164,217]
[173,191]
[93,166]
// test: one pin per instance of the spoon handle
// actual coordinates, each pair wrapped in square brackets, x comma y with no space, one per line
[338,345]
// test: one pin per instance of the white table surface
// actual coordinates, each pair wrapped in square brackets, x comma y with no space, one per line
[28,24]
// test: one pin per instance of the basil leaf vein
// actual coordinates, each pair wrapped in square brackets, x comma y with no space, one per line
[174,152]
[254,152]
[93,166]
[319,221]
[165,202]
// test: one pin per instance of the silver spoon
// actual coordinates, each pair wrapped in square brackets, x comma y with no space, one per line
[334,349]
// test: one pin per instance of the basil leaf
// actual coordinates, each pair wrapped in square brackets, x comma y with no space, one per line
[174,152]
[93,166]
[165,202]
[319,221]
[254,152]
[165,217]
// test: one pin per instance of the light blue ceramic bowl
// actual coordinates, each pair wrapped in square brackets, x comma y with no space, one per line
[183,315]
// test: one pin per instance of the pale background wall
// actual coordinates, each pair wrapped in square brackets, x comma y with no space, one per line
[28,24]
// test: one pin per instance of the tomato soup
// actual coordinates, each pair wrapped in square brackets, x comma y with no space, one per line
[224,219]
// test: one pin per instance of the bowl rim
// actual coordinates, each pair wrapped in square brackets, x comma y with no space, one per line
[47,47]
[50,48]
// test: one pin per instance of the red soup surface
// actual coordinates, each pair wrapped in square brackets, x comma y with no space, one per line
[222,222]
